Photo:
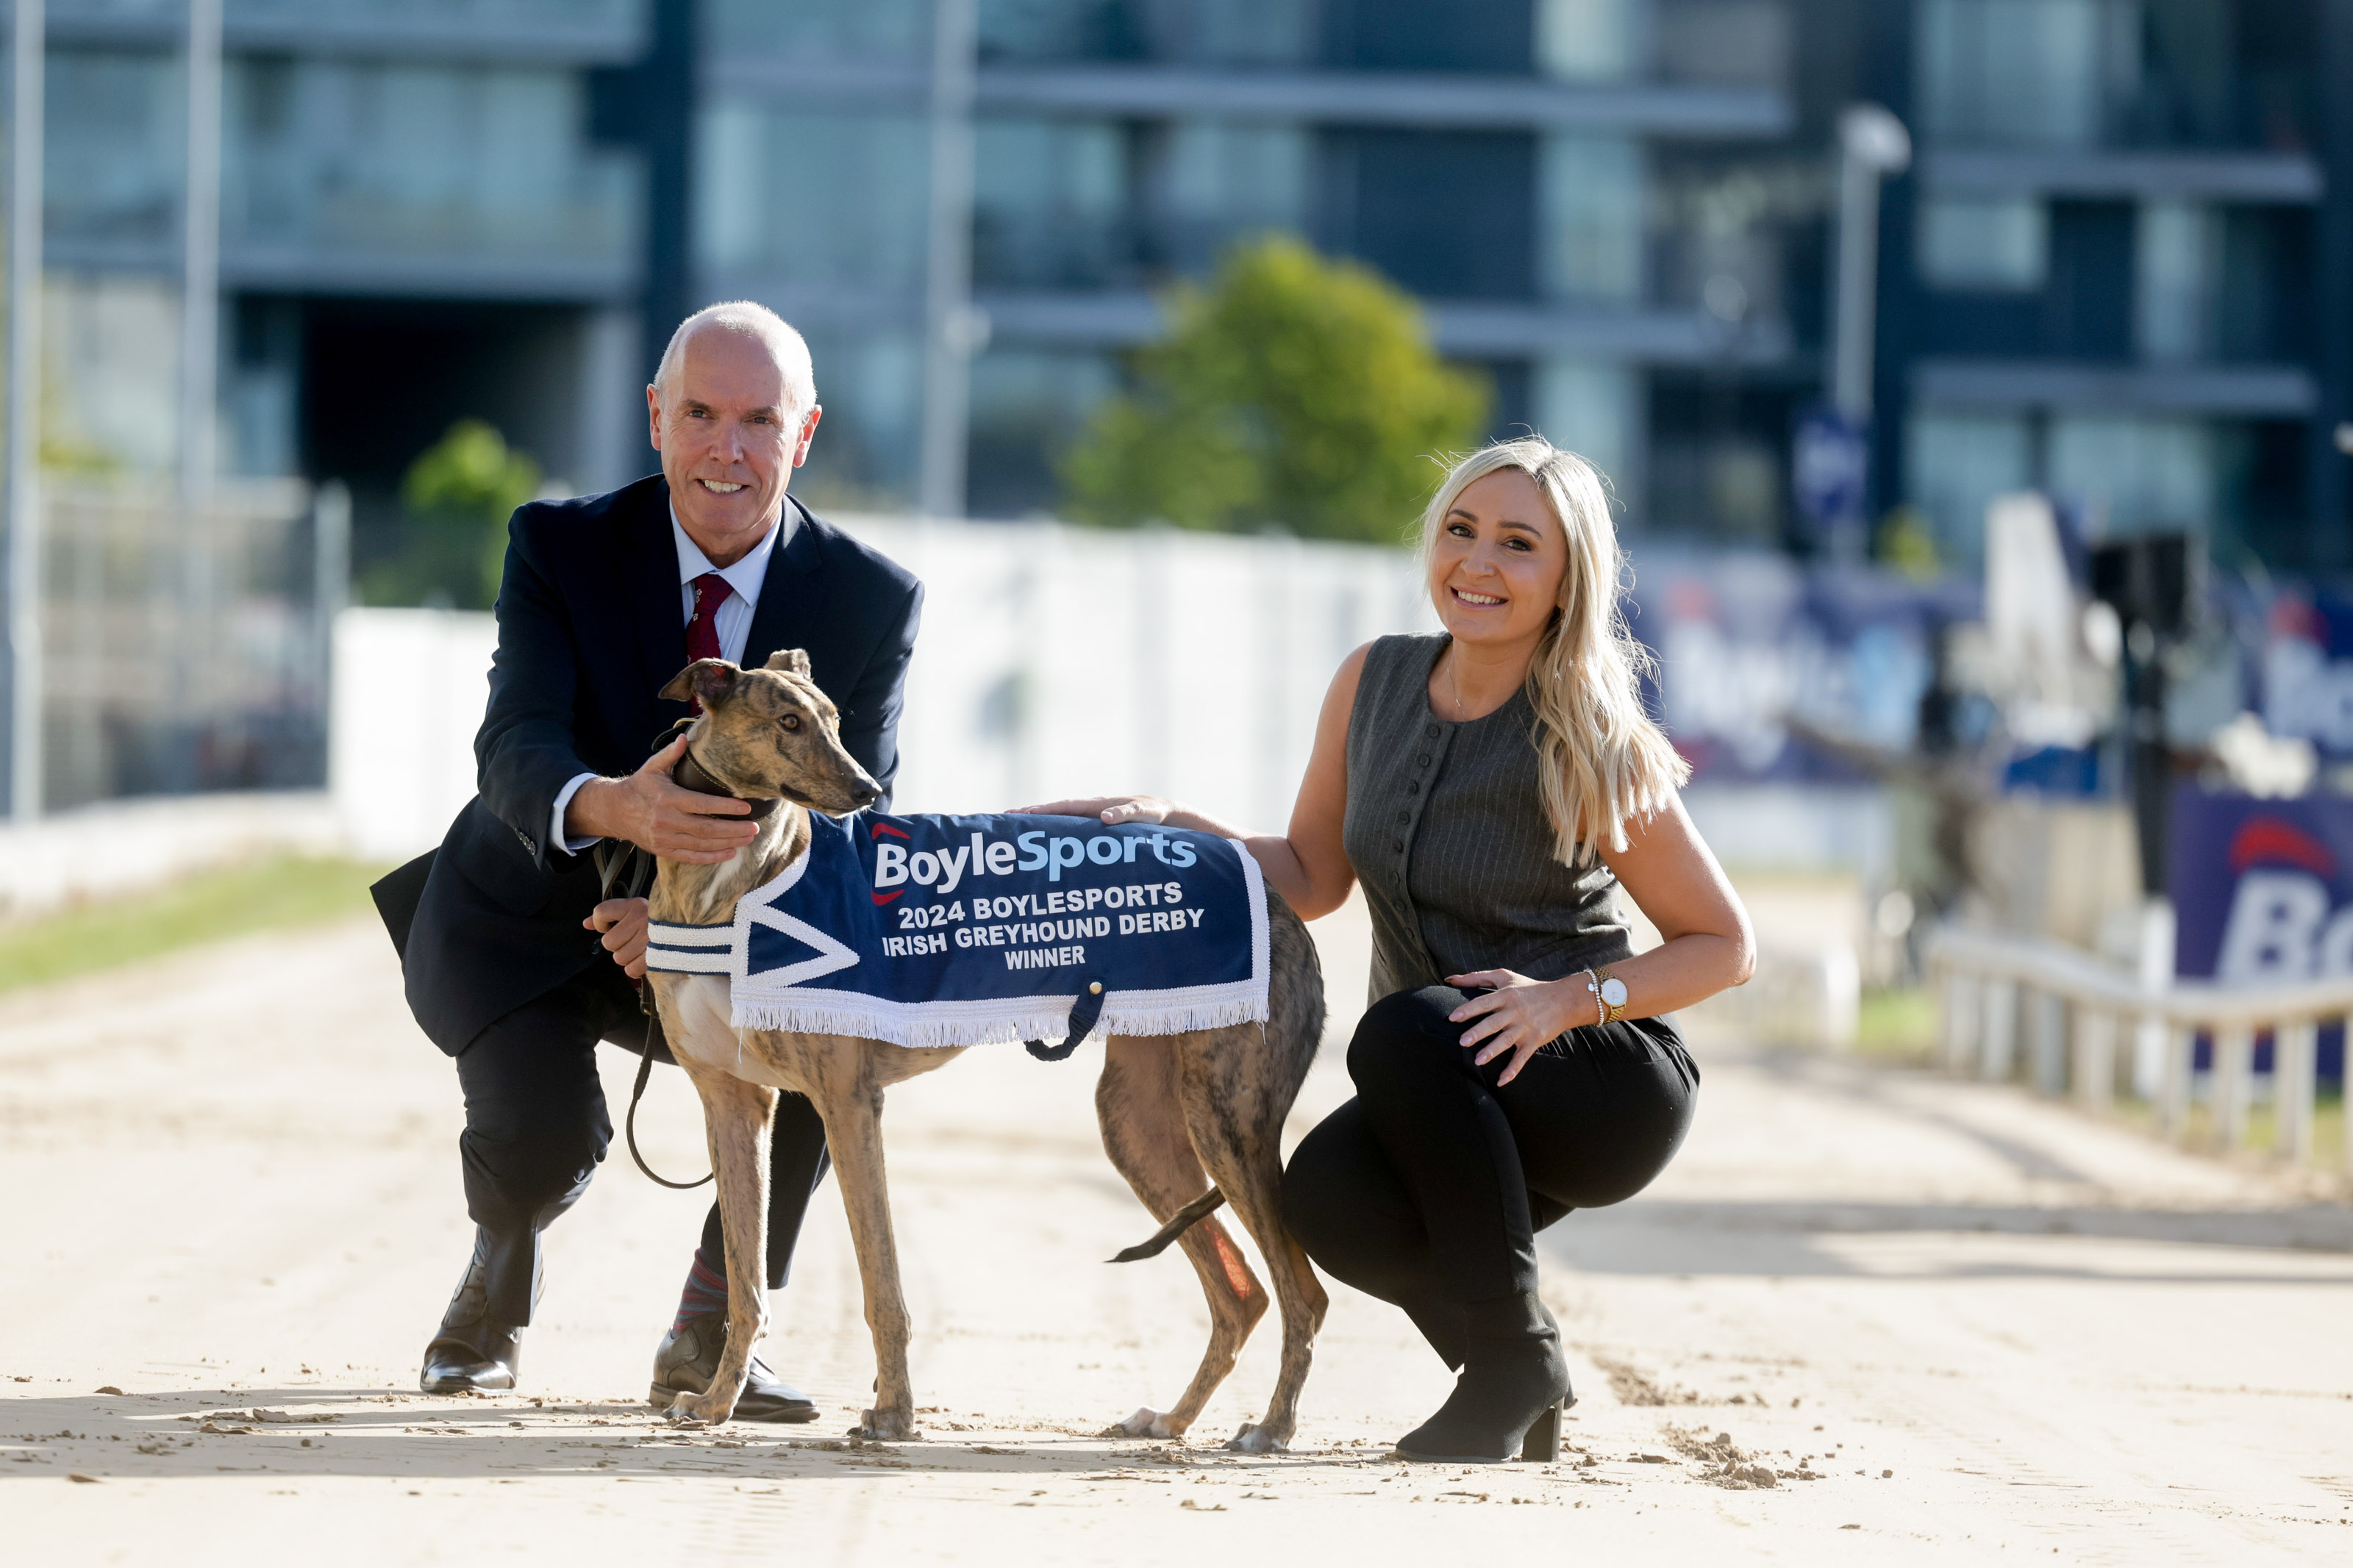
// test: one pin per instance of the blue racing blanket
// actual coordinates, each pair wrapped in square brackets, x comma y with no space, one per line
[960,930]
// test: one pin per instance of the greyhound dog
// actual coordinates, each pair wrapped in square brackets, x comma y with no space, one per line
[1177,1112]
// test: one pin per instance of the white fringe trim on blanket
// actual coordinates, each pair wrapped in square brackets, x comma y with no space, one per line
[933,1024]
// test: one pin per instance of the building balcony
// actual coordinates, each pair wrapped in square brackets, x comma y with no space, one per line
[541,31]
[2226,391]
[1113,320]
[2236,178]
[1351,98]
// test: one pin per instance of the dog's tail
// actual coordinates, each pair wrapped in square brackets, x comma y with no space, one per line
[1188,1217]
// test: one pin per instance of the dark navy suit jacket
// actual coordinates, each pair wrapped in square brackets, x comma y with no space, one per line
[590,627]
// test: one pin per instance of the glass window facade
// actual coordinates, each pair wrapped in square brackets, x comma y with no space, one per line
[871,382]
[2026,72]
[1592,40]
[2137,474]
[814,32]
[825,199]
[2176,264]
[1225,181]
[455,15]
[2001,243]
[1052,204]
[367,159]
[1592,407]
[1595,188]
[1724,43]
[1028,405]
[109,374]
[1207,32]
[1958,463]
[113,149]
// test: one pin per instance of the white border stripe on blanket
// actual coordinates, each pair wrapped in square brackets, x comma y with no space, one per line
[690,950]
[942,1024]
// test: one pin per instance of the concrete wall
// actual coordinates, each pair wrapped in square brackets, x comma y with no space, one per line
[126,847]
[1053,660]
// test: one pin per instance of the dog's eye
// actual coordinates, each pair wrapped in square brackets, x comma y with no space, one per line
[790,720]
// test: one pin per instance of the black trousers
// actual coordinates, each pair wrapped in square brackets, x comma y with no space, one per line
[1428,1188]
[536,1129]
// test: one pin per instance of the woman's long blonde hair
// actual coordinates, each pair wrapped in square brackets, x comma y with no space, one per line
[1603,761]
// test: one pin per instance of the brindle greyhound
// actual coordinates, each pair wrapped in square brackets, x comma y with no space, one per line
[1177,1112]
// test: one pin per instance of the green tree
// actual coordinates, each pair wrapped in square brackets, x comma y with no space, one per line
[1293,392]
[455,499]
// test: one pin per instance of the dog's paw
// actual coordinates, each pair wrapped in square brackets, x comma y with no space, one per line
[1254,1438]
[700,1410]
[1146,1422]
[891,1426]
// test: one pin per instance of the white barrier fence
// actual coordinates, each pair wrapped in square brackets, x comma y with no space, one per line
[2008,1004]
[1053,661]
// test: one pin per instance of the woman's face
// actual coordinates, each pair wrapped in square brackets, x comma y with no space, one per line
[1496,569]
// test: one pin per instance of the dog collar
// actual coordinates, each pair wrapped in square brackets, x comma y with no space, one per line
[692,774]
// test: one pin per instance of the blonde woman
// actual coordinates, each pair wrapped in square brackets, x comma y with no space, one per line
[1491,787]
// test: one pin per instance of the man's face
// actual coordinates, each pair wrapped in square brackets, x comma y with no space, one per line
[729,441]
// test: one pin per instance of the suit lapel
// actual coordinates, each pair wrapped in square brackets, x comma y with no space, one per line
[787,594]
[650,578]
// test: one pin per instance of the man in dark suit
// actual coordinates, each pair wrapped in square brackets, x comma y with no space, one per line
[604,600]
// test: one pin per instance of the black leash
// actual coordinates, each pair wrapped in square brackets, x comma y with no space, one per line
[633,869]
[638,1092]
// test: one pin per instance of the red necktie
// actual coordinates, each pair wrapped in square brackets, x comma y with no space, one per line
[711,591]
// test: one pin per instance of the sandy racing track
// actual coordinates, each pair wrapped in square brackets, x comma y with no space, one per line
[1945,1321]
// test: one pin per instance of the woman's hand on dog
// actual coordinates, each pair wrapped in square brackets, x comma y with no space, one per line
[654,814]
[1111,810]
[1519,1015]
[622,925]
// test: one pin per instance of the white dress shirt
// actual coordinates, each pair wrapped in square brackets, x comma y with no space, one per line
[732,622]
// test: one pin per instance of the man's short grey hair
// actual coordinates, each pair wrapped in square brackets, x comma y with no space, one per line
[754,320]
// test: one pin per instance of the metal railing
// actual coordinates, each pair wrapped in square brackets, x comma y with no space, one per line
[2069,1013]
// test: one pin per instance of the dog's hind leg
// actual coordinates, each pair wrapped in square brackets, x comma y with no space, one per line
[1237,1086]
[1144,1132]
[851,1103]
[1240,1149]
[736,1116]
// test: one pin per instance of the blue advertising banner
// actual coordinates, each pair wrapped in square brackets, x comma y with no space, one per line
[1746,643]
[2262,892]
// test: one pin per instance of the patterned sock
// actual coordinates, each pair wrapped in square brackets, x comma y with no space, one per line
[705,1292]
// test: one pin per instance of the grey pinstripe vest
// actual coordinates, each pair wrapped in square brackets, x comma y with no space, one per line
[1446,829]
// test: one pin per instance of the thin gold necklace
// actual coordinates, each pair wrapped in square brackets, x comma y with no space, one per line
[1452,687]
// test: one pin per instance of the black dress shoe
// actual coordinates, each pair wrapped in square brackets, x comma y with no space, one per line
[481,1358]
[689,1354]
[473,1350]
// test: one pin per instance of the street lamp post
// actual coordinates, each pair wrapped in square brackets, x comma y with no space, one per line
[952,330]
[28,62]
[1872,144]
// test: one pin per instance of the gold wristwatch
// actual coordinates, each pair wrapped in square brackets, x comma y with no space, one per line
[1609,993]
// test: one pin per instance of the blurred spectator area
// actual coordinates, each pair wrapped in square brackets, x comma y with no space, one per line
[187,650]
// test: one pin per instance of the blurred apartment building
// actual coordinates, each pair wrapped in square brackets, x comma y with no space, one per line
[2120,267]
[430,209]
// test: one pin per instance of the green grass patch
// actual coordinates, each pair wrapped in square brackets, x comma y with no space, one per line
[2263,1127]
[266,895]
[1897,1024]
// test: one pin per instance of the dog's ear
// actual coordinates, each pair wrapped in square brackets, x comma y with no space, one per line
[789,661]
[707,680]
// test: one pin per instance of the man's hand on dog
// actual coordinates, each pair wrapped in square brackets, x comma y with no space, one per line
[654,814]
[622,925]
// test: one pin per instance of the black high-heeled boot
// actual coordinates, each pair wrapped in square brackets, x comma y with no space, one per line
[1509,1396]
